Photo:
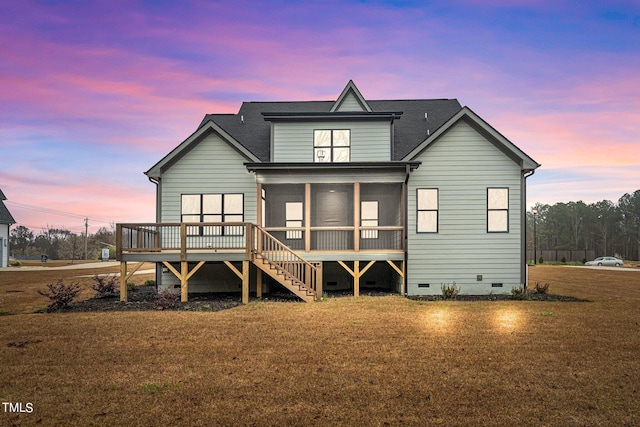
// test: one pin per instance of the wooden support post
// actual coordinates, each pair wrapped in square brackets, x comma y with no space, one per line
[356,278]
[319,281]
[123,281]
[244,276]
[245,282]
[184,281]
[356,273]
[259,283]
[183,242]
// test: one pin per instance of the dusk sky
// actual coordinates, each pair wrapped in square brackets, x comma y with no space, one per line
[94,93]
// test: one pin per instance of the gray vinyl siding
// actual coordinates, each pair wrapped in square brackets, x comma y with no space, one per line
[212,166]
[350,103]
[370,140]
[462,165]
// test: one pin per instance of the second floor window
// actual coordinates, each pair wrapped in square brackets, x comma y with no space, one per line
[331,146]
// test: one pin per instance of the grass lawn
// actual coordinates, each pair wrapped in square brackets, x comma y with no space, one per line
[367,361]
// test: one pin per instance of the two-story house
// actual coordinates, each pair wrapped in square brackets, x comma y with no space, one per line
[348,194]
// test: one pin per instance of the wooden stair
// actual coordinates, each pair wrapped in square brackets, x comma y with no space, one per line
[285,279]
[286,267]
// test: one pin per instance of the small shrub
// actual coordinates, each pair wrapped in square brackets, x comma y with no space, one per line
[540,260]
[449,291]
[149,282]
[15,263]
[519,292]
[542,289]
[564,259]
[60,294]
[104,285]
[131,286]
[584,260]
[167,299]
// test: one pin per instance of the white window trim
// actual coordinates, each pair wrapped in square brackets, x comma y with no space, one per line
[330,148]
[435,210]
[503,209]
[203,217]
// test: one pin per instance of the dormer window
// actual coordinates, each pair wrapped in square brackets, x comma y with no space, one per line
[331,146]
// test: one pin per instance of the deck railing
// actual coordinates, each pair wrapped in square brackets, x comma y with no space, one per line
[237,237]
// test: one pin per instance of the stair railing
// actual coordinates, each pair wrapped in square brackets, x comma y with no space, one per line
[273,250]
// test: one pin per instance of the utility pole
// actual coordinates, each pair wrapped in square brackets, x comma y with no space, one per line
[86,236]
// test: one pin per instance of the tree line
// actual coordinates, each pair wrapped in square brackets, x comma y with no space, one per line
[606,227]
[60,243]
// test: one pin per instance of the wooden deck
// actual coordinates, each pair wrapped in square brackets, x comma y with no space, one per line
[185,243]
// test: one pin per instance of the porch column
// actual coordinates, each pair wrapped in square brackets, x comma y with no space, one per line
[356,216]
[307,217]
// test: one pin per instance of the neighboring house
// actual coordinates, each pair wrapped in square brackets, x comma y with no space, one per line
[6,221]
[404,195]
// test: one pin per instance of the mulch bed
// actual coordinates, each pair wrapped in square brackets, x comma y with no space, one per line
[146,298]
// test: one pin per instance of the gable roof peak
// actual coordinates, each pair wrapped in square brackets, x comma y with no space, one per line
[351,90]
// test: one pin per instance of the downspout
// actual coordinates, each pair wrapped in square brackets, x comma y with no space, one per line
[158,196]
[523,228]
[158,199]
[407,171]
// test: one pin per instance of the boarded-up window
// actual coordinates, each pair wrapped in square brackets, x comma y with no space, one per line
[427,212]
[369,218]
[497,210]
[293,218]
[331,146]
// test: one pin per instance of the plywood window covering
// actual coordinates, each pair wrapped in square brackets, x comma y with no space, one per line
[369,218]
[293,218]
[427,210]
[497,210]
[331,145]
[212,208]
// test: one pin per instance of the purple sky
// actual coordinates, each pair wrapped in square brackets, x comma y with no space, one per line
[92,94]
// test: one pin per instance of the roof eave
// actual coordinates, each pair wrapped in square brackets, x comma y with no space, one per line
[465,113]
[210,126]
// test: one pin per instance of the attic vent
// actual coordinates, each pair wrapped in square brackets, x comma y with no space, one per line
[426,116]
[242,119]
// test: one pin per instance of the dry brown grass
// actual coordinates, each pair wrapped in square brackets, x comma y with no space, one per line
[346,361]
[19,288]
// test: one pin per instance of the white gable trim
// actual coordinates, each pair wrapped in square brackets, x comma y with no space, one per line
[351,88]
[495,137]
[194,139]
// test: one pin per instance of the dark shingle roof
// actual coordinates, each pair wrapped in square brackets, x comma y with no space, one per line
[5,215]
[250,129]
